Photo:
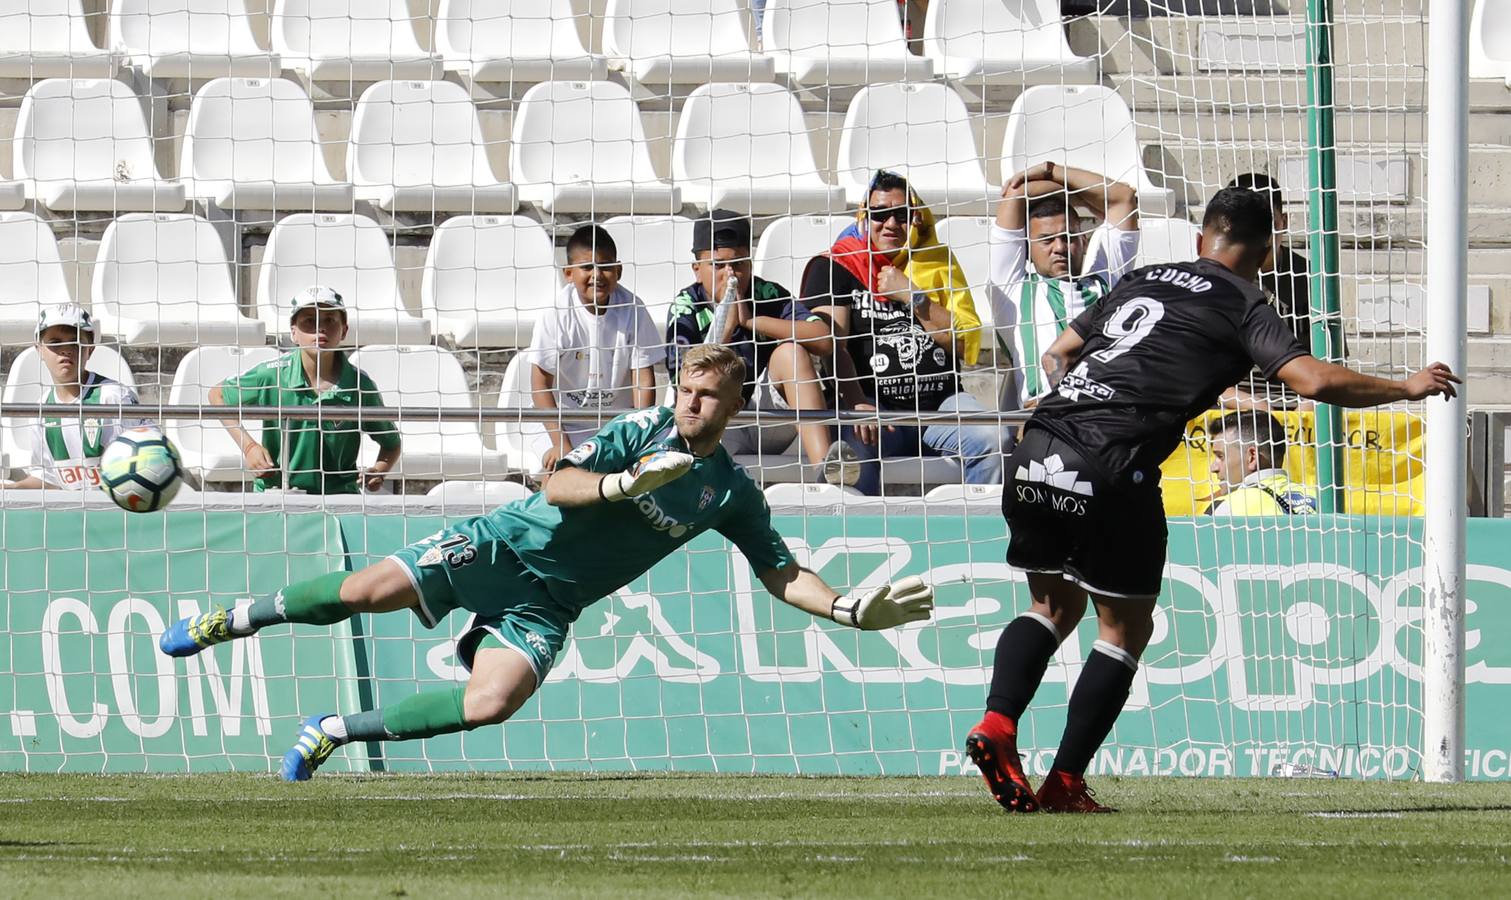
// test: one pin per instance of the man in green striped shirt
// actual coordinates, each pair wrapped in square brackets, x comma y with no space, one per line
[314,455]
[1040,276]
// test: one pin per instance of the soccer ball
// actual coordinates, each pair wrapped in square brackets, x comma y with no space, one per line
[141,470]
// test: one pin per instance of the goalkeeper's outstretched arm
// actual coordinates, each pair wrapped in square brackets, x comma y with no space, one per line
[898,603]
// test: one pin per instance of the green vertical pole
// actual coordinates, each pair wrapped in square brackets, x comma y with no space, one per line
[1322,241]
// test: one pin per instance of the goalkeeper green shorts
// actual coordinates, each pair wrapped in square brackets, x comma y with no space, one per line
[468,566]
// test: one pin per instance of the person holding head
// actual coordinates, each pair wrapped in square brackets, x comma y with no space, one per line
[624,499]
[65,451]
[1084,512]
[1040,276]
[1248,458]
[315,455]
[905,324]
[776,335]
[597,349]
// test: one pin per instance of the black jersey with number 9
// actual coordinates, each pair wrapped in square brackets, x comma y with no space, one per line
[1160,350]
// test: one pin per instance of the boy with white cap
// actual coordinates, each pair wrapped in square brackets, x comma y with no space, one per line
[316,455]
[65,452]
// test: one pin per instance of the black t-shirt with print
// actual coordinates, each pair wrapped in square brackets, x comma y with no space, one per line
[899,366]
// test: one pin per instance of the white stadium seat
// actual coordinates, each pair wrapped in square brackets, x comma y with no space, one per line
[487,278]
[1089,127]
[662,42]
[31,276]
[793,494]
[840,42]
[251,144]
[579,147]
[49,39]
[206,446]
[1490,40]
[165,278]
[657,254]
[477,497]
[790,242]
[969,238]
[195,39]
[980,42]
[514,41]
[518,441]
[350,40]
[745,147]
[1165,240]
[922,131]
[417,146]
[349,254]
[83,144]
[428,376]
[28,382]
[968,494]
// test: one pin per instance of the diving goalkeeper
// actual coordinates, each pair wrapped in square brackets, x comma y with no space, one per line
[646,484]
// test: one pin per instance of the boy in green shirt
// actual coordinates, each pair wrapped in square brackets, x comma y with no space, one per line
[318,456]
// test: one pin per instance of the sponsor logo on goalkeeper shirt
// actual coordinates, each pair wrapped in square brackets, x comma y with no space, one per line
[657,517]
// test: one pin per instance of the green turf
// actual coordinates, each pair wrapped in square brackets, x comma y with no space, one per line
[652,836]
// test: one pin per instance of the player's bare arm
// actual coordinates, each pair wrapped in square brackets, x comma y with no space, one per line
[574,487]
[1327,382]
[888,606]
[1057,360]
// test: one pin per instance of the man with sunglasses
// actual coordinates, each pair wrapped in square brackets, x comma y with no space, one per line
[1040,276]
[905,321]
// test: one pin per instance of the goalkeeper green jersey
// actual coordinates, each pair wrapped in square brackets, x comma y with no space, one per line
[585,553]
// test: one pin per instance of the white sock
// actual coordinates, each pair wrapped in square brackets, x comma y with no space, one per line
[239,623]
[334,728]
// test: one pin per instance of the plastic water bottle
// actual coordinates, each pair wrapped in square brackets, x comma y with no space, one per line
[723,311]
[1301,770]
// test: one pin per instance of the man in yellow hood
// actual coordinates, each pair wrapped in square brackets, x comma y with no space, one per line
[904,321]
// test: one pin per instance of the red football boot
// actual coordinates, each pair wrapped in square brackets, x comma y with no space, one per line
[993,747]
[1066,793]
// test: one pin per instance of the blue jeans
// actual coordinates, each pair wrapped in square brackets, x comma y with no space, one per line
[978,447]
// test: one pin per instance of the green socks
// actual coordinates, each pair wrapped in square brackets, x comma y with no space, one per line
[416,716]
[313,602]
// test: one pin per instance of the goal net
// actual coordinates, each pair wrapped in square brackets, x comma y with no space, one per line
[431,163]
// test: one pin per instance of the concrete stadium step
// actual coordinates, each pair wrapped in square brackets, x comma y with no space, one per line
[1489,375]
[1372,42]
[1389,172]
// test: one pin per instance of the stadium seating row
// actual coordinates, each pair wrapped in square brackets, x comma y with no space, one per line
[408,377]
[168,279]
[576,147]
[812,42]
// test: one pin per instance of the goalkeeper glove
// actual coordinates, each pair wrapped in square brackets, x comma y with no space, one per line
[647,474]
[908,600]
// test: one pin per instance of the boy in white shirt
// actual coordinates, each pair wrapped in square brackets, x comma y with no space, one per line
[65,452]
[1040,277]
[596,350]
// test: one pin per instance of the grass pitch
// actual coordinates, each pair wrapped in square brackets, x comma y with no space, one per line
[667,835]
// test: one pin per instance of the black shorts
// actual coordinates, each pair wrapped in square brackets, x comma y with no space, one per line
[1063,516]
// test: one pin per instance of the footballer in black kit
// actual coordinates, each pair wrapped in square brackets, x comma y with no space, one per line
[1082,501]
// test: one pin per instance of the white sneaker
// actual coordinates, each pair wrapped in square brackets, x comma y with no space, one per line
[841,466]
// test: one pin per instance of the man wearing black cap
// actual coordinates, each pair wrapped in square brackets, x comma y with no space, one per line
[773,332]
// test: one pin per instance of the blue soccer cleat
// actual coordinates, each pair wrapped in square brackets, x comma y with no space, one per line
[187,637]
[312,748]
